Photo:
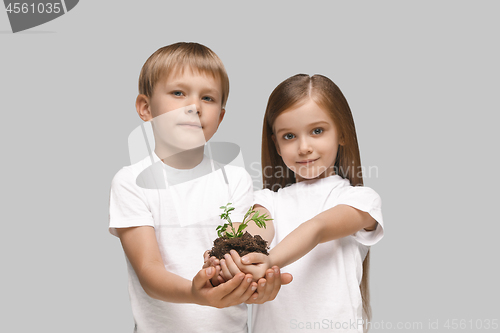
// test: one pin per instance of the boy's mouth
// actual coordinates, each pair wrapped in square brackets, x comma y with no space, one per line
[190,125]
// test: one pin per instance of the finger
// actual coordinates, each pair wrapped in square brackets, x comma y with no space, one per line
[238,294]
[263,290]
[235,256]
[268,286]
[274,282]
[227,288]
[215,280]
[247,296]
[231,264]
[207,264]
[237,261]
[253,258]
[214,261]
[259,294]
[253,298]
[202,277]
[206,256]
[226,274]
[255,270]
[286,278]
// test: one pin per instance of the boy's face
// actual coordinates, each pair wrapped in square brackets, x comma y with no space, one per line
[186,109]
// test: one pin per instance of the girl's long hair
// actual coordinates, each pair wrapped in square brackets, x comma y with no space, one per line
[325,93]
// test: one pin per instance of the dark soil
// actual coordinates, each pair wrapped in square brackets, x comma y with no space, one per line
[243,245]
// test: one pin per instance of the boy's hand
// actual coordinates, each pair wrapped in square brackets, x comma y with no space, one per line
[269,287]
[233,292]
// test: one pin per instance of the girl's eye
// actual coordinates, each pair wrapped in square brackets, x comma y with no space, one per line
[317,131]
[288,136]
[177,93]
[208,99]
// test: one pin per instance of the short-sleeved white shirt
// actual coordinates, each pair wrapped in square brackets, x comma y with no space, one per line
[183,206]
[324,295]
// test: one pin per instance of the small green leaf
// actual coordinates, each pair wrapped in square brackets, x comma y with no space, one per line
[260,221]
[241,228]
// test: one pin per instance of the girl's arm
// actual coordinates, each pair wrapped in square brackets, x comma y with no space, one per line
[337,222]
[334,223]
[141,248]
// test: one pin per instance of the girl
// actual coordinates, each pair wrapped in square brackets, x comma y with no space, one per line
[312,172]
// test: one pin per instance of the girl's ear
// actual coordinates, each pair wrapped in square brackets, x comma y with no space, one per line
[341,140]
[276,144]
[143,107]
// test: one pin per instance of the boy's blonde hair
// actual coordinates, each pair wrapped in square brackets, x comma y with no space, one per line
[177,57]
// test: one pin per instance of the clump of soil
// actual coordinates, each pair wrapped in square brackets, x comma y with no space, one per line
[243,245]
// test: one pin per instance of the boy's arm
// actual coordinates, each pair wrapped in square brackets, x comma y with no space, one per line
[141,248]
[337,222]
[266,233]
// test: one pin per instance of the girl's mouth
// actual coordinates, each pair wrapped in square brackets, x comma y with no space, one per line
[307,162]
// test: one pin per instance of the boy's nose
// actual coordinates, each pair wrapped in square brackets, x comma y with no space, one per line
[192,109]
[193,101]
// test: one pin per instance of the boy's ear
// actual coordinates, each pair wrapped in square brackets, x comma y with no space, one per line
[276,144]
[221,116]
[143,107]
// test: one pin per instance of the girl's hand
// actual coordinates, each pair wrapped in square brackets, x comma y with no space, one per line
[253,263]
[228,268]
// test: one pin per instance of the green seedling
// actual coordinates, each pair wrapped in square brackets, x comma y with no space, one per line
[251,215]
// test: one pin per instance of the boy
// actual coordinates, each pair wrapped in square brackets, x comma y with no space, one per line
[165,229]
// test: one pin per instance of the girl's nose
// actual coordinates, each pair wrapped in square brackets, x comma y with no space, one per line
[304,146]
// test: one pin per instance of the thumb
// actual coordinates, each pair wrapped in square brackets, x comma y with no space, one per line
[253,258]
[200,279]
[286,278]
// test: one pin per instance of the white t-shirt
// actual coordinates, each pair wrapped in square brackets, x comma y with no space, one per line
[324,295]
[183,206]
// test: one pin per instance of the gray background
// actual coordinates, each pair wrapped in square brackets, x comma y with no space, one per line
[422,79]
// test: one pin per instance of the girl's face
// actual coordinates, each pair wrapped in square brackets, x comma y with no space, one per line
[307,140]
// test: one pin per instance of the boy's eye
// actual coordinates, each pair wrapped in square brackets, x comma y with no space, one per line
[288,136]
[208,99]
[317,131]
[177,93]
